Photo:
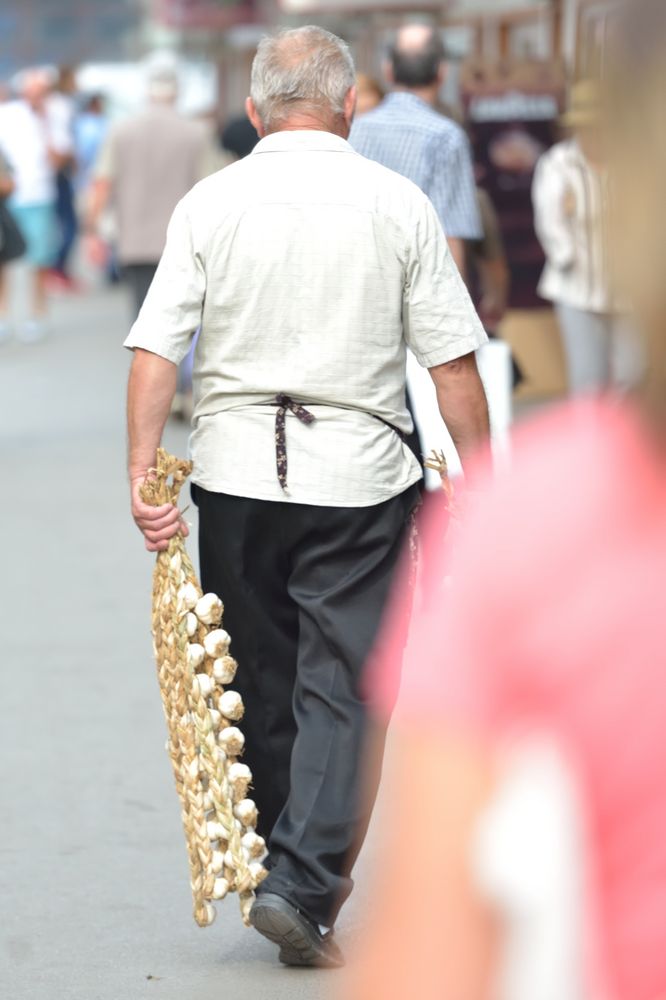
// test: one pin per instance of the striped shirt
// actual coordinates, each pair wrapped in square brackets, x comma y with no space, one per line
[407,135]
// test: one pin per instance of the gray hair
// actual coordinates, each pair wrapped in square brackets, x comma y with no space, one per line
[302,68]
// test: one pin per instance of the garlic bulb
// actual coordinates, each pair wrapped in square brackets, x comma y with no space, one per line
[220,888]
[187,596]
[240,777]
[231,705]
[217,863]
[232,741]
[246,812]
[215,830]
[206,684]
[229,860]
[239,772]
[208,609]
[217,642]
[191,623]
[224,669]
[254,844]
[215,718]
[257,872]
[195,655]
[211,913]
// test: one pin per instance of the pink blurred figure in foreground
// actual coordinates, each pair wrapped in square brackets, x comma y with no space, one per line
[549,626]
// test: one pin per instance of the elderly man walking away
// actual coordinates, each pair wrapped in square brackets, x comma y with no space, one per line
[309,269]
[145,167]
[407,134]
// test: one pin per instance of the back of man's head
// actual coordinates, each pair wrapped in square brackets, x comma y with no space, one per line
[301,71]
[162,85]
[416,56]
[35,85]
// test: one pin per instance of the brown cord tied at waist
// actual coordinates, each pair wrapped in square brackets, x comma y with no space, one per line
[285,403]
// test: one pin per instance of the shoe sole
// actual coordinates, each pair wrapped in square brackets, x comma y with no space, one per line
[297,946]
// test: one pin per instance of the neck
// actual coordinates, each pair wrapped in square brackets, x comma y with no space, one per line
[428,94]
[313,123]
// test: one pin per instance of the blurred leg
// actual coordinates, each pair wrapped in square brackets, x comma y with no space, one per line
[39,293]
[587,346]
[626,360]
[138,278]
[4,293]
[67,221]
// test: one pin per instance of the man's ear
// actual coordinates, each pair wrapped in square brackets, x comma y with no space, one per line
[350,105]
[441,74]
[387,68]
[252,114]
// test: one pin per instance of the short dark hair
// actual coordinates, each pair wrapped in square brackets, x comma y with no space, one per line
[417,67]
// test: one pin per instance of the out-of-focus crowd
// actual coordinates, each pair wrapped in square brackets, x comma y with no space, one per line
[67,171]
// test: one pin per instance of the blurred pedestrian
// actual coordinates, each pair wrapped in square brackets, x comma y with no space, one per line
[369,94]
[37,145]
[525,849]
[309,270]
[571,203]
[239,137]
[90,128]
[11,243]
[63,106]
[488,274]
[407,134]
[147,164]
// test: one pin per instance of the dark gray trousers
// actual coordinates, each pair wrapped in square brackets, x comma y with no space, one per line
[304,589]
[138,278]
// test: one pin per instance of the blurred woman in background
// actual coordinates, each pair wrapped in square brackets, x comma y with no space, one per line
[525,850]
[571,193]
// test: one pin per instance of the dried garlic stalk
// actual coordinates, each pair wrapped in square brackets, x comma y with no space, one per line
[193,662]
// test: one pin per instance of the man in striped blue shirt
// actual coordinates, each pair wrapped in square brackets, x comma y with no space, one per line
[407,134]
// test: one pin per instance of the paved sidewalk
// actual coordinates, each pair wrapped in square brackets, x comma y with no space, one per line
[95,898]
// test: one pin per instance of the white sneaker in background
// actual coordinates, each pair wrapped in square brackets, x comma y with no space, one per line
[32,331]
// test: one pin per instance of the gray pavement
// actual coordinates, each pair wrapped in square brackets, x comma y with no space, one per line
[94,893]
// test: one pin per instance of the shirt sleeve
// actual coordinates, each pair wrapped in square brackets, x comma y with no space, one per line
[172,310]
[554,232]
[439,320]
[452,187]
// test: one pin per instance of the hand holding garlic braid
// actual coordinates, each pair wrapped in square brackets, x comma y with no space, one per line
[194,664]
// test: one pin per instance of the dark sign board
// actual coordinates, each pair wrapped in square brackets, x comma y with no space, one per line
[512,109]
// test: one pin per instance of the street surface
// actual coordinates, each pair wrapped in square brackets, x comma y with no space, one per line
[93,874]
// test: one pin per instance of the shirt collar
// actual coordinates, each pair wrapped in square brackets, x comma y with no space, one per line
[406,97]
[305,140]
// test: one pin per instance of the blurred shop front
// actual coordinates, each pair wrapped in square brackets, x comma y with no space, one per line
[510,65]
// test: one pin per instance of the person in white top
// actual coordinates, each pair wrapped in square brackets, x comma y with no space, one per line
[36,145]
[309,270]
[570,196]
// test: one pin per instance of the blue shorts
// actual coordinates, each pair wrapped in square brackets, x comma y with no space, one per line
[38,224]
